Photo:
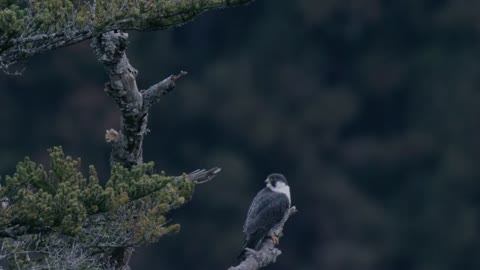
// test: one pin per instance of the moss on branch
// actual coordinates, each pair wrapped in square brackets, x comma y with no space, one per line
[28,28]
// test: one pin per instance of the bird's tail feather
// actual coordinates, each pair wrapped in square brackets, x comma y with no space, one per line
[253,242]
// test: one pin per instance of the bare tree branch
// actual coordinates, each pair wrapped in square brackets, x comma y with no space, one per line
[110,51]
[153,94]
[267,254]
[134,105]
[203,176]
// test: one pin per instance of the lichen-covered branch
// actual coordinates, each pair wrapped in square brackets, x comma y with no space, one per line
[27,29]
[110,51]
[267,254]
[153,94]
[201,176]
[133,104]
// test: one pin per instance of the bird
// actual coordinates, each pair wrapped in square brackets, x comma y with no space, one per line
[267,213]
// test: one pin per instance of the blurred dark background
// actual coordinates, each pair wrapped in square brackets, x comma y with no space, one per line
[369,107]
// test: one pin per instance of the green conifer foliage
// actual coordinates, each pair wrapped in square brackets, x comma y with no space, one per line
[71,208]
[30,27]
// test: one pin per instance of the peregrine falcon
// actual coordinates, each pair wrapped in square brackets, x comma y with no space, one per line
[267,212]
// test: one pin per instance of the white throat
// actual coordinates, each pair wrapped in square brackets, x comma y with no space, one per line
[280,188]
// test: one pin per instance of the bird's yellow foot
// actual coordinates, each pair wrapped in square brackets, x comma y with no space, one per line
[275,240]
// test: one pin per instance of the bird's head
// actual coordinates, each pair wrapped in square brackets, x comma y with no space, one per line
[276,180]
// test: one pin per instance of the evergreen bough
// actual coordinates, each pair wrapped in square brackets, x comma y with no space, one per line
[30,27]
[59,207]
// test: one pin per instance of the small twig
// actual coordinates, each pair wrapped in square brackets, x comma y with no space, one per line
[180,75]
[155,92]
[203,176]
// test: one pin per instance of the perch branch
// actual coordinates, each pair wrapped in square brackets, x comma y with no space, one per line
[267,254]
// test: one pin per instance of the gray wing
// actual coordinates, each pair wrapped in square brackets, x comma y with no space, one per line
[267,209]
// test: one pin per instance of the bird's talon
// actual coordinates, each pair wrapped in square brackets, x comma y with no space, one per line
[275,240]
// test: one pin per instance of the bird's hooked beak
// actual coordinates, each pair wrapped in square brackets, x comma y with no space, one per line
[267,180]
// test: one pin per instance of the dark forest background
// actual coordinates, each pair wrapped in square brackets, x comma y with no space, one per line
[369,107]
